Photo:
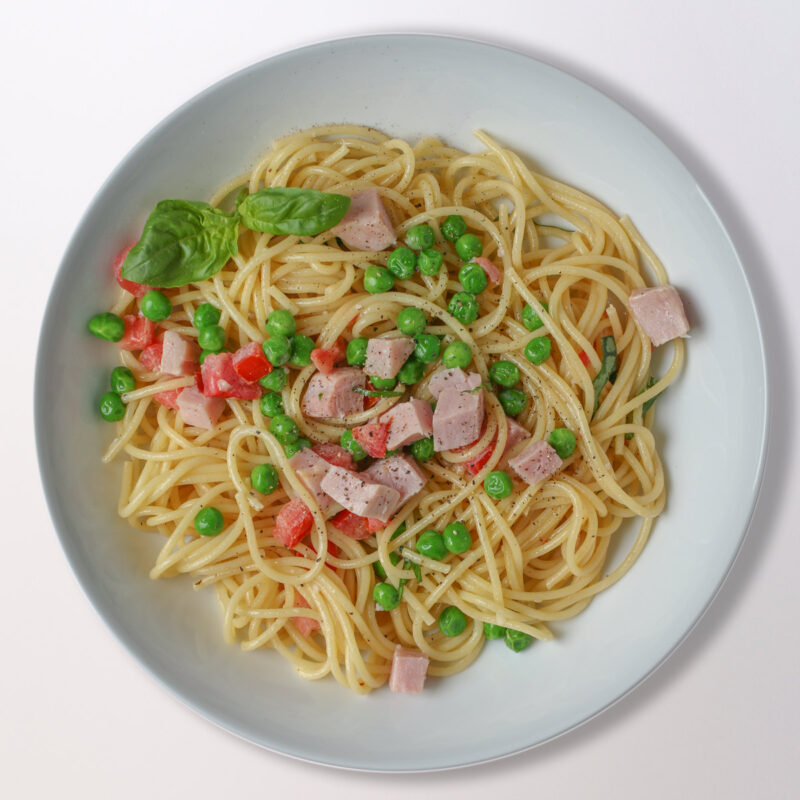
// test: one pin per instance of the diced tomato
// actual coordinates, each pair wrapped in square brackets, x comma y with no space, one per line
[370,401]
[488,266]
[168,399]
[353,321]
[140,332]
[351,525]
[372,437]
[306,625]
[220,379]
[584,358]
[136,289]
[333,550]
[375,525]
[150,357]
[334,454]
[293,522]
[326,358]
[250,362]
[479,462]
[198,381]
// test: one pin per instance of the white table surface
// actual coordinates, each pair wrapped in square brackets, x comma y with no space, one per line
[83,82]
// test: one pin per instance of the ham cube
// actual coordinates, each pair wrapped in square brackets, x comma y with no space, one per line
[311,468]
[386,356]
[516,433]
[659,311]
[537,462]
[409,669]
[366,225]
[401,473]
[362,497]
[178,355]
[332,395]
[458,418]
[454,378]
[408,423]
[198,410]
[220,379]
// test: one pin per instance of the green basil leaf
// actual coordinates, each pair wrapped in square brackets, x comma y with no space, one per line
[608,365]
[296,212]
[182,242]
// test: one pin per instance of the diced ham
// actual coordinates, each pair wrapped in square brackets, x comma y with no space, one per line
[458,418]
[136,289]
[454,378]
[401,473]
[659,311]
[366,225]
[168,398]
[306,625]
[178,355]
[293,522]
[250,362]
[386,356]
[150,357]
[332,395]
[140,332]
[334,454]
[409,669]
[220,379]
[373,437]
[364,498]
[488,266]
[537,462]
[311,468]
[326,358]
[409,422]
[198,410]
[516,433]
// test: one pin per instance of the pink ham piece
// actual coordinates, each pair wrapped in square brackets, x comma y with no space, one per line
[516,433]
[537,462]
[386,356]
[311,468]
[454,378]
[198,410]
[362,497]
[659,311]
[366,225]
[458,418]
[409,669]
[220,379]
[179,355]
[400,473]
[332,395]
[408,423]
[492,272]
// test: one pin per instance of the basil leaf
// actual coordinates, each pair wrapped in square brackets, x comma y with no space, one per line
[376,392]
[182,242]
[296,212]
[607,366]
[651,382]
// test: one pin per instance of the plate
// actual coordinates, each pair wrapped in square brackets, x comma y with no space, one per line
[711,424]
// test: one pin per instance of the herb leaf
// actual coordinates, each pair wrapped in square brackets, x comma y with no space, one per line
[376,392]
[297,212]
[651,382]
[607,366]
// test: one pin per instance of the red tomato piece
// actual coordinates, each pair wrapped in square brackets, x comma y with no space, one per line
[168,399]
[488,266]
[372,437]
[479,462]
[293,522]
[220,379]
[584,358]
[136,289]
[150,357]
[306,625]
[351,525]
[334,454]
[140,332]
[375,525]
[326,358]
[250,362]
[369,401]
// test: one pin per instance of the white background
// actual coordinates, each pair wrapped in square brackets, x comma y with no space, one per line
[83,82]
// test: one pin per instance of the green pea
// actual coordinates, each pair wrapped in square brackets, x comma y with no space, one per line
[209,521]
[282,322]
[271,404]
[472,277]
[293,448]
[357,351]
[504,373]
[348,441]
[452,621]
[429,262]
[498,484]
[513,401]
[431,544]
[464,307]
[411,321]
[422,449]
[383,384]
[205,315]
[301,350]
[112,409]
[378,279]
[453,227]
[211,338]
[457,538]
[517,640]
[530,319]
[563,441]
[277,349]
[468,246]
[492,631]
[457,354]
[411,372]
[380,570]
[264,478]
[284,429]
[537,351]
[155,305]
[420,237]
[427,348]
[401,263]
[276,380]
[122,380]
[107,326]
[386,596]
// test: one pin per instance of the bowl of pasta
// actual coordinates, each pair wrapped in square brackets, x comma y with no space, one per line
[364,418]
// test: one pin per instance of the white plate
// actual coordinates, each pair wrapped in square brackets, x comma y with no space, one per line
[712,423]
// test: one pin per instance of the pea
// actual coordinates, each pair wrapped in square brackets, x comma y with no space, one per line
[427,348]
[383,384]
[293,448]
[422,449]
[277,349]
[301,346]
[386,596]
[107,326]
[498,484]
[464,307]
[378,279]
[452,621]
[504,373]
[357,351]
[155,305]
[348,441]
[457,354]
[211,338]
[492,631]
[530,319]
[271,404]
[537,351]
[453,227]
[431,544]
[209,521]
[411,372]
[284,429]
[276,380]
[401,263]
[380,570]
[513,401]
[429,262]
[264,478]
[563,441]
[122,380]
[112,409]
[457,538]
[280,321]
[411,321]
[517,640]
[420,237]
[205,315]
[468,246]
[473,278]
